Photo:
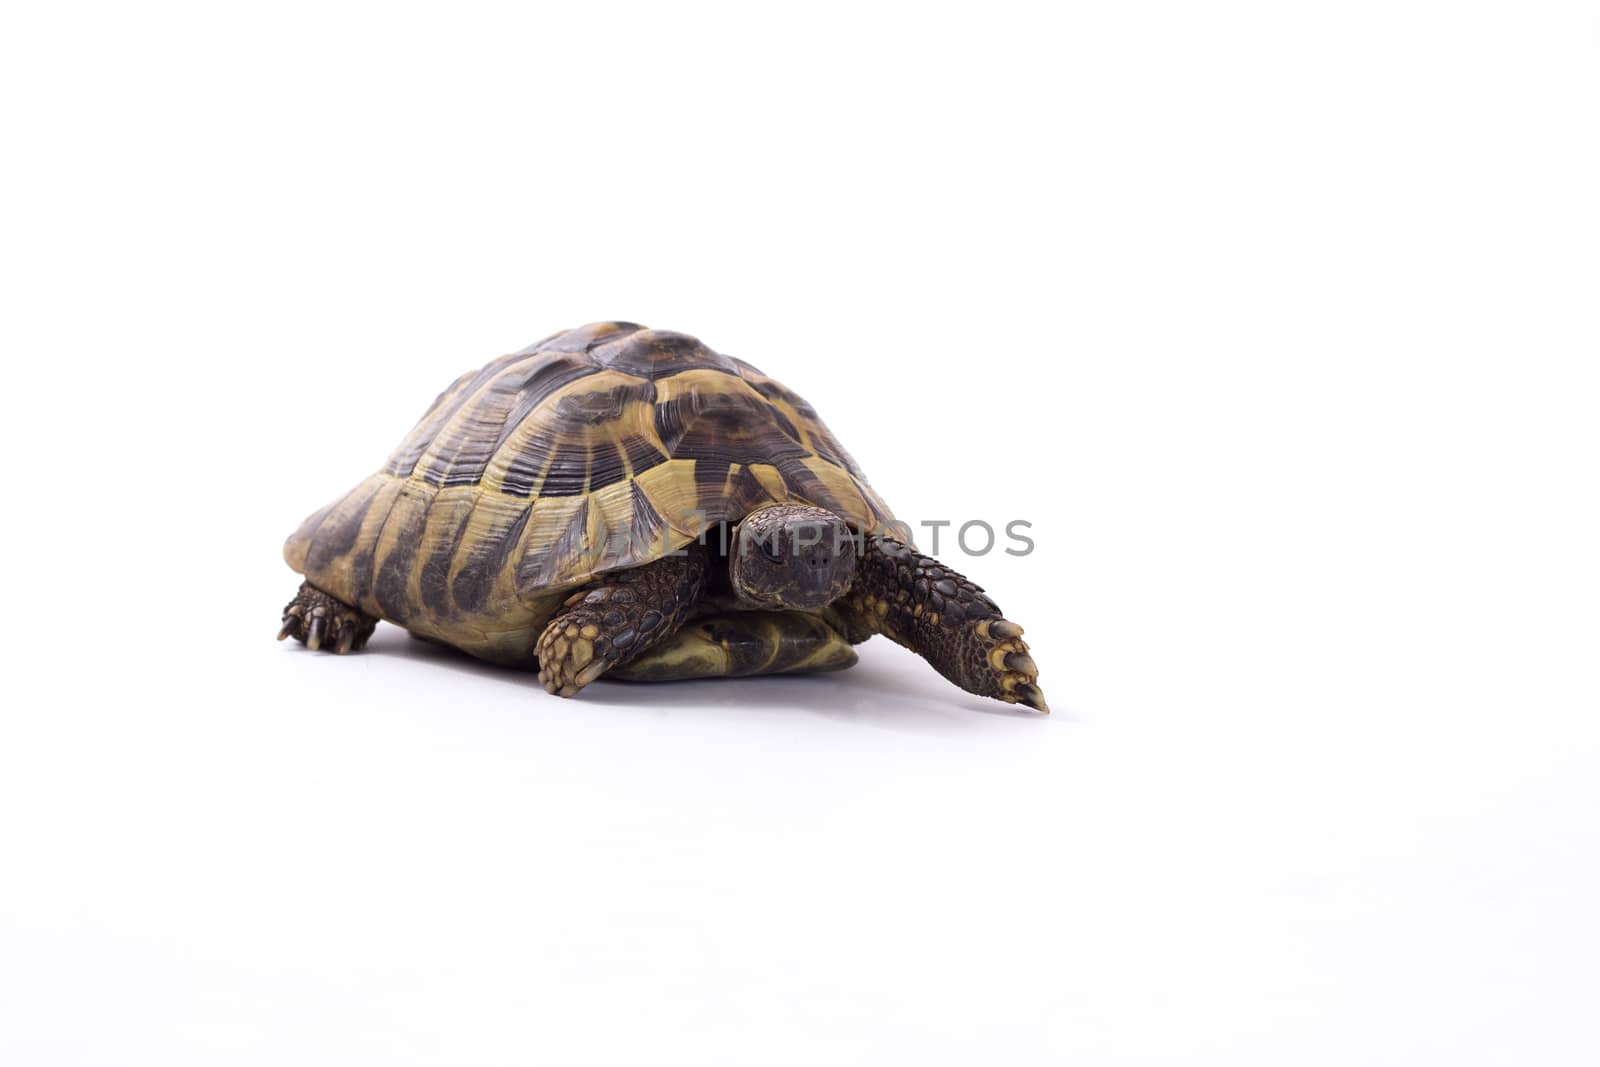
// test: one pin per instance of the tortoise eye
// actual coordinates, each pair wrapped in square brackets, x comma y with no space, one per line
[773,549]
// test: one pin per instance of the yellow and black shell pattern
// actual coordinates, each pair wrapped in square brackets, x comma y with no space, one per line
[594,450]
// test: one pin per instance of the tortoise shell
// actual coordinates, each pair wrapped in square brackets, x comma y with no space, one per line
[596,449]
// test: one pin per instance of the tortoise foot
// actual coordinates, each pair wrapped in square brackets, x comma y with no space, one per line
[1013,676]
[573,651]
[318,621]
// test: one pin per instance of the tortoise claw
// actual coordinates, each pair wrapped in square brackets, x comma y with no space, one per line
[1029,695]
[318,629]
[1022,663]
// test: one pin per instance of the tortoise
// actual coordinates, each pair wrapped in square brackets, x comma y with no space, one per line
[625,502]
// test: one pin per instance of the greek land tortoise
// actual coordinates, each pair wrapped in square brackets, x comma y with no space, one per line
[625,502]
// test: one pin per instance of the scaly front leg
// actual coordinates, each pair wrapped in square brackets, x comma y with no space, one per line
[615,618]
[918,602]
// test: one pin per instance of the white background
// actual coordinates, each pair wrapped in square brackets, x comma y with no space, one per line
[1277,321]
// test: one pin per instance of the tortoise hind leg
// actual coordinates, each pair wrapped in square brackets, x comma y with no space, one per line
[737,644]
[318,620]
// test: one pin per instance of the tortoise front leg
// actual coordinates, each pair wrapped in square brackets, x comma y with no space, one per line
[920,603]
[616,618]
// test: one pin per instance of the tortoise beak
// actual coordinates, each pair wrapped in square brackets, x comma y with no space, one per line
[812,592]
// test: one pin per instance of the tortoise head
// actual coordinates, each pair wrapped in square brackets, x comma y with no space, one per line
[792,556]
